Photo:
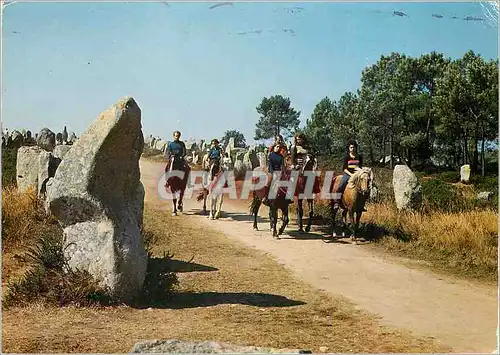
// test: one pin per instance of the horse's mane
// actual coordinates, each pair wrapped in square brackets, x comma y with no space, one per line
[355,179]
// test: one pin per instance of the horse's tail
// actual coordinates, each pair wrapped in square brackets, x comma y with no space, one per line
[254,203]
[201,195]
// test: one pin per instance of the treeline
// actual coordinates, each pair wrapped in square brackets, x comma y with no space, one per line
[427,110]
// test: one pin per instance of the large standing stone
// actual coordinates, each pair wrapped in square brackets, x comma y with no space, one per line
[98,198]
[465,173]
[407,189]
[27,167]
[46,139]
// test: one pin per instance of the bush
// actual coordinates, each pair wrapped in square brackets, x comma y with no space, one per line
[439,196]
[449,177]
[23,218]
[9,160]
[51,281]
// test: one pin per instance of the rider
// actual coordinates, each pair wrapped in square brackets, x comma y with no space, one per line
[176,148]
[352,162]
[299,151]
[278,141]
[215,153]
[276,163]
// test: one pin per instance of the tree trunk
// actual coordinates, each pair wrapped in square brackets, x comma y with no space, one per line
[383,147]
[483,163]
[392,144]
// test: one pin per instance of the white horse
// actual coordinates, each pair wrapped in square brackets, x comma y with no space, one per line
[211,189]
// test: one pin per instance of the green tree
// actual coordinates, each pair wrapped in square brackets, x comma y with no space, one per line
[467,102]
[239,139]
[319,127]
[277,116]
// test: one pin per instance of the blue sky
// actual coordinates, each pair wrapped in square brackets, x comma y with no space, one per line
[189,69]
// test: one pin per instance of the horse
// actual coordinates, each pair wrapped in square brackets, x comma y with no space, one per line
[310,164]
[177,185]
[280,202]
[215,172]
[353,200]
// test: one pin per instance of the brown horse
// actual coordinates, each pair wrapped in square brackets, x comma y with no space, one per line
[279,202]
[310,164]
[176,184]
[353,199]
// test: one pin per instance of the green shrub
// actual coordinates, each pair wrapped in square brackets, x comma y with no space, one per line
[51,281]
[440,196]
[449,177]
[9,160]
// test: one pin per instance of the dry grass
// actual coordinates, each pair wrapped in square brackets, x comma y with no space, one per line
[23,222]
[230,294]
[464,243]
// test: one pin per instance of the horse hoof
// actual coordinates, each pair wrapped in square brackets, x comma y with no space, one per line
[301,230]
[334,235]
[174,213]
[255,228]
[343,234]
[308,229]
[354,242]
[179,208]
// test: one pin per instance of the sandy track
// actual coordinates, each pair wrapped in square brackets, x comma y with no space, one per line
[461,315]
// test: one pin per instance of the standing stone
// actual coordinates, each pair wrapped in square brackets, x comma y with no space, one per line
[65,135]
[59,139]
[465,173]
[16,139]
[97,196]
[407,190]
[46,139]
[262,159]
[72,138]
[27,167]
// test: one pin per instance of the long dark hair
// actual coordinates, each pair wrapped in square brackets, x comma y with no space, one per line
[352,142]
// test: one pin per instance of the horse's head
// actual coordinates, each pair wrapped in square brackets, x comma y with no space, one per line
[362,180]
[310,163]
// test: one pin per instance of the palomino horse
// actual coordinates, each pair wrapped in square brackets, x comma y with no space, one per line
[176,184]
[211,188]
[310,164]
[280,202]
[353,199]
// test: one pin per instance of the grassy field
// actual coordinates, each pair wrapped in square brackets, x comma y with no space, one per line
[257,303]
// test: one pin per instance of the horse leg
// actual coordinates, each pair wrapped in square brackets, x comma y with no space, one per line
[180,204]
[344,221]
[311,213]
[218,205]
[174,209]
[274,218]
[352,224]
[255,211]
[211,198]
[333,215]
[300,213]
[284,211]
[205,196]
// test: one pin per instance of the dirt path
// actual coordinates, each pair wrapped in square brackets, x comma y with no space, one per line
[458,314]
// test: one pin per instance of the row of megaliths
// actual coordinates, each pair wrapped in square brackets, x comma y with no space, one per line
[45,138]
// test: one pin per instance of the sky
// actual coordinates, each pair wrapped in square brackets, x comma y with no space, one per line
[202,69]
